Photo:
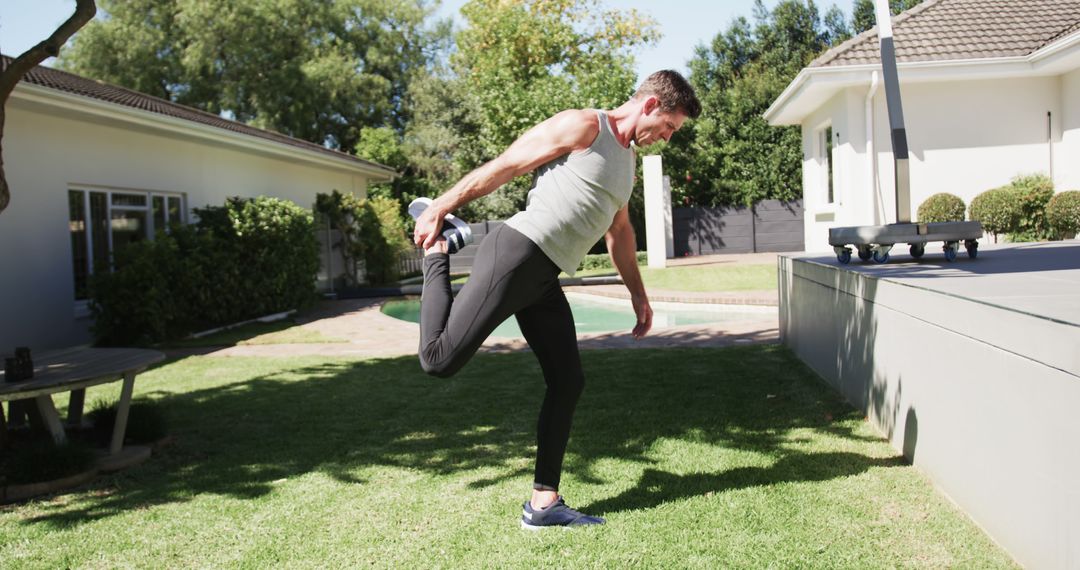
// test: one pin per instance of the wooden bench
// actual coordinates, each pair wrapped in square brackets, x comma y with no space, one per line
[75,370]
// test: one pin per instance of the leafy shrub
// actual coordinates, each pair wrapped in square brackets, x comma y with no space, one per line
[1032,194]
[996,210]
[1017,209]
[942,207]
[145,423]
[246,259]
[1063,214]
[373,232]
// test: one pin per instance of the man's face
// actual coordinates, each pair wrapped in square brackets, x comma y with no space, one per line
[656,125]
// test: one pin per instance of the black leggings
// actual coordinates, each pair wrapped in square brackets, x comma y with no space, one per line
[511,276]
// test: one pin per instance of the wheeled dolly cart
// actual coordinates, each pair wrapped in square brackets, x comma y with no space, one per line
[875,242]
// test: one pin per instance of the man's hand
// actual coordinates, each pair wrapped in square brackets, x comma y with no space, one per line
[428,226]
[644,316]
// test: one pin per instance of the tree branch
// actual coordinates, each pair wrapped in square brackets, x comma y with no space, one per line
[10,75]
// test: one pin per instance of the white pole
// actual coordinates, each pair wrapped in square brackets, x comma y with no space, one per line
[657,211]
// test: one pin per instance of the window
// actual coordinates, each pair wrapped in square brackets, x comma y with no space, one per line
[102,221]
[825,144]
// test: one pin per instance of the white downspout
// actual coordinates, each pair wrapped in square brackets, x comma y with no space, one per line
[871,158]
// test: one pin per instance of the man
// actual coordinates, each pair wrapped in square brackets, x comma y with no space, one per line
[585,170]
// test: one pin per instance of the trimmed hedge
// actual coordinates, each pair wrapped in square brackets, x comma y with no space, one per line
[1063,214]
[996,210]
[246,259]
[1017,209]
[942,207]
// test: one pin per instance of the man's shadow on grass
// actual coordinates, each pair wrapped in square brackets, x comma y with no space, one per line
[656,487]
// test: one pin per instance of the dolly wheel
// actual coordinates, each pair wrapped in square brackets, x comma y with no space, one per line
[972,247]
[950,250]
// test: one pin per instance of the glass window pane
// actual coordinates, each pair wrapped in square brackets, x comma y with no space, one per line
[99,230]
[128,199]
[175,210]
[159,213]
[77,224]
[128,226]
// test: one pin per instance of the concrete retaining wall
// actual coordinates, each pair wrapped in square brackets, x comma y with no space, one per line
[982,399]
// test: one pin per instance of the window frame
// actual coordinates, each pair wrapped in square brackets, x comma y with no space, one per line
[88,221]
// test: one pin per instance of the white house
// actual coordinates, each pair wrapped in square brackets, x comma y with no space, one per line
[990,90]
[79,151]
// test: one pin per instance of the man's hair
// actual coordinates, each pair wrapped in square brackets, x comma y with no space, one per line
[673,91]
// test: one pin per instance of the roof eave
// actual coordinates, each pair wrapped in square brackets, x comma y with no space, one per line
[92,107]
[815,85]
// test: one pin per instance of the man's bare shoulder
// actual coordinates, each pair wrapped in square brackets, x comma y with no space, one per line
[579,126]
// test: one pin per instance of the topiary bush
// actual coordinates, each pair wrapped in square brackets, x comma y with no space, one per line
[246,259]
[942,207]
[1063,214]
[996,210]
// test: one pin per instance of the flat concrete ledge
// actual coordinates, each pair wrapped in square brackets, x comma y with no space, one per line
[971,369]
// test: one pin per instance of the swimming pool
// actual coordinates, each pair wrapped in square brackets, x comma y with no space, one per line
[593,314]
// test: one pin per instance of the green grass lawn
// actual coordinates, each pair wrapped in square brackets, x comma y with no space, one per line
[713,277]
[700,458]
[277,332]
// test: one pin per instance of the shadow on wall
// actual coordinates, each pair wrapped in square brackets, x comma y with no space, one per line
[845,357]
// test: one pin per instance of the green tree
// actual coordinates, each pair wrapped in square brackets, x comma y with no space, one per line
[319,70]
[731,155]
[862,12]
[520,62]
[11,73]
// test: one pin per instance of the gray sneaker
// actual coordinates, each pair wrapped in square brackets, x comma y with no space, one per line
[556,514]
[457,233]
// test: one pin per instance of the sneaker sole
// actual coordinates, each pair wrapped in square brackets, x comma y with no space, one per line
[535,528]
[417,207]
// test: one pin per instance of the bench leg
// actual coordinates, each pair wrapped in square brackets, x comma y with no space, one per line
[122,413]
[3,428]
[17,411]
[75,407]
[51,418]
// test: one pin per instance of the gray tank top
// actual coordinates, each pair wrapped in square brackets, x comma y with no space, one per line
[575,198]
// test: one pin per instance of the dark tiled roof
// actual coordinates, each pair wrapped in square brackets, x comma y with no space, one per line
[940,30]
[78,85]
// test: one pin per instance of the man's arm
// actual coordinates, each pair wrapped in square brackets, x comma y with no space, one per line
[622,246]
[561,134]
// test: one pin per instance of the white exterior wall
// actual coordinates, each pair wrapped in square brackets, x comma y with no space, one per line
[47,153]
[844,113]
[1067,151]
[964,138]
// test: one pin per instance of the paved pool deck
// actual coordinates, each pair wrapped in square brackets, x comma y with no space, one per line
[368,333]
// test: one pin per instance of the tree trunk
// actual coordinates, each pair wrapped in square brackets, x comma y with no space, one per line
[10,74]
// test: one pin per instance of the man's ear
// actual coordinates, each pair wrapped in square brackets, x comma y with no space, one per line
[651,104]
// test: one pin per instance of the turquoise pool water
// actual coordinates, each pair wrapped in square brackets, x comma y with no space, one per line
[594,314]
